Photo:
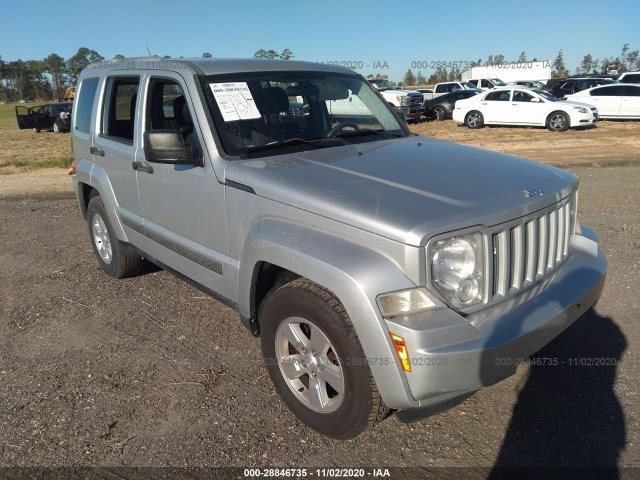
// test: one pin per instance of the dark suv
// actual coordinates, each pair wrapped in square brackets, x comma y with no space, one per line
[569,86]
[52,116]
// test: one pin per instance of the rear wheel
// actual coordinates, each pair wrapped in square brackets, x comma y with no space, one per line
[35,130]
[109,251]
[316,362]
[474,119]
[558,122]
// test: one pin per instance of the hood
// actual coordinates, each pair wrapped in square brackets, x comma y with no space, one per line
[405,189]
[396,91]
[580,104]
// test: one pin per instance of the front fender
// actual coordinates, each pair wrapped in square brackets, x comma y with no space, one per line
[354,273]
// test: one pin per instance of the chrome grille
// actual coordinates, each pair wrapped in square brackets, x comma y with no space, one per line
[531,248]
[416,100]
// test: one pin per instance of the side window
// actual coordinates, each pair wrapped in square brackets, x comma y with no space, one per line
[84,104]
[120,107]
[485,84]
[609,91]
[500,96]
[519,96]
[167,109]
[631,91]
[441,88]
[474,82]
[166,105]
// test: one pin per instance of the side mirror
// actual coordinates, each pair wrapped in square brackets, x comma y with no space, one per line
[535,100]
[167,146]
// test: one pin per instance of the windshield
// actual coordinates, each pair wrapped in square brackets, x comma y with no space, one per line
[498,82]
[546,95]
[266,113]
[469,86]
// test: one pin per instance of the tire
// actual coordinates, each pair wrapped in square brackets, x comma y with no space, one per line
[107,248]
[474,119]
[36,130]
[439,113]
[306,332]
[56,128]
[558,122]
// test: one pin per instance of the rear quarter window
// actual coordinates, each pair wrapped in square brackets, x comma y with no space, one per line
[84,104]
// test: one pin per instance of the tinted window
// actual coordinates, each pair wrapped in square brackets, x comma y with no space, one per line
[441,88]
[120,104]
[631,78]
[519,96]
[474,82]
[500,96]
[84,104]
[608,91]
[632,91]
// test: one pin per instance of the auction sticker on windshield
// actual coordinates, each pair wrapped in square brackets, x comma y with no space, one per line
[235,101]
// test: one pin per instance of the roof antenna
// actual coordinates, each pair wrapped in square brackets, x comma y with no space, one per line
[149,51]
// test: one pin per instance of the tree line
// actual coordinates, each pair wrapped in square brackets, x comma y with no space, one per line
[48,78]
[627,61]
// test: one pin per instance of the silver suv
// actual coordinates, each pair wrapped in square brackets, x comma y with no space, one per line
[383,271]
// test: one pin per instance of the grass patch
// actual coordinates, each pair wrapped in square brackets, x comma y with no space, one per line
[24,150]
[23,165]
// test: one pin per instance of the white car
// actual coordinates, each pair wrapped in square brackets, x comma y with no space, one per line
[523,106]
[619,100]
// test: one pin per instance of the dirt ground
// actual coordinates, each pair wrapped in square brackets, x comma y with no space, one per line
[149,371]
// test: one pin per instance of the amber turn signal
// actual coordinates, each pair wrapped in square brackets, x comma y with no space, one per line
[401,351]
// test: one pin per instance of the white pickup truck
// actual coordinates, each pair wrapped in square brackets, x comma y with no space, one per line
[409,102]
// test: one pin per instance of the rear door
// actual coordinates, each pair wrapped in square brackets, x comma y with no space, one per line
[630,105]
[607,99]
[114,147]
[24,118]
[496,107]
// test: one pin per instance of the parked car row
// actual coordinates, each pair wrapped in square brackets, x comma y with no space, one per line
[577,101]
[523,106]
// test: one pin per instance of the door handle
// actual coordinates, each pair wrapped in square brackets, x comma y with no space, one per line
[96,151]
[141,167]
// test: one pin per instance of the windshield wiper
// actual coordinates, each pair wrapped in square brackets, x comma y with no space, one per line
[315,143]
[368,131]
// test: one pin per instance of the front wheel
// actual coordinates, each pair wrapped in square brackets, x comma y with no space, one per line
[439,113]
[474,119]
[316,362]
[558,122]
[113,260]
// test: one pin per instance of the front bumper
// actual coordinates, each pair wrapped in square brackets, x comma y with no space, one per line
[412,111]
[453,355]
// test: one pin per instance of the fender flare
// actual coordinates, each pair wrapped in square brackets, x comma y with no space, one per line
[353,273]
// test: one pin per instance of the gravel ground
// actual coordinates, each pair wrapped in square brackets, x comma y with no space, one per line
[149,371]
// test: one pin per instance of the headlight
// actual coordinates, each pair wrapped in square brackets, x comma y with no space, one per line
[581,109]
[457,268]
[405,101]
[404,302]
